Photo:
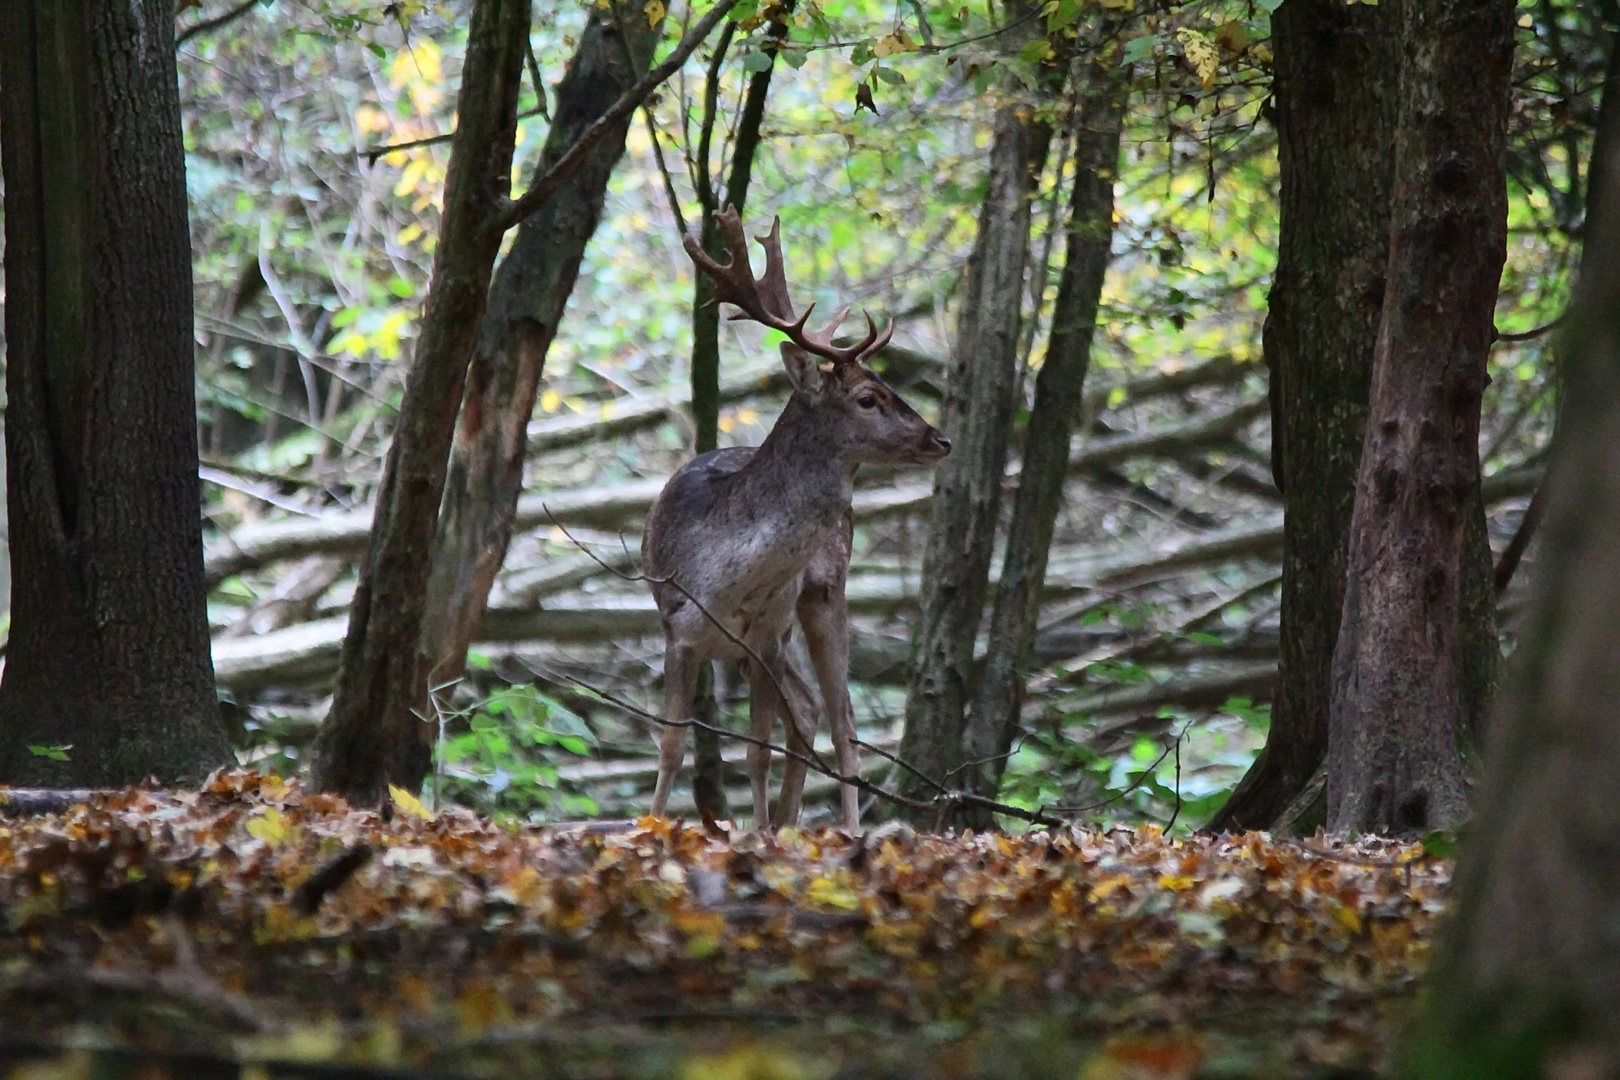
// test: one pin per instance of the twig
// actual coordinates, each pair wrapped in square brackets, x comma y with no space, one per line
[1530,335]
[541,191]
[371,154]
[215,23]
[1502,576]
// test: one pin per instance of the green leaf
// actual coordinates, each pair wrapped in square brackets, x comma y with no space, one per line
[1269,5]
[795,59]
[1140,48]
[377,49]
[889,75]
[756,62]
[861,54]
[1440,845]
[743,10]
[54,753]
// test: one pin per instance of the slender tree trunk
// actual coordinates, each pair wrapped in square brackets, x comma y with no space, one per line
[374,736]
[1334,93]
[1058,390]
[526,302]
[1527,975]
[977,417]
[1395,725]
[109,651]
[708,773]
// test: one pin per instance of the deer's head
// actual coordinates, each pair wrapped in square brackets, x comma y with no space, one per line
[869,421]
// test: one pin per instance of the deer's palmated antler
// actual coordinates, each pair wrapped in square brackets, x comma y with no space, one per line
[765,300]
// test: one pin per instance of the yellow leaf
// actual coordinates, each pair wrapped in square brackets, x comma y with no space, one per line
[1201,54]
[421,60]
[1176,883]
[1349,918]
[833,892]
[550,401]
[410,177]
[270,826]
[655,12]
[408,804]
[408,234]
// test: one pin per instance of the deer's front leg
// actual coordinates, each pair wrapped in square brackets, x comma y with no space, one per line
[824,617]
[680,683]
[800,721]
[762,707]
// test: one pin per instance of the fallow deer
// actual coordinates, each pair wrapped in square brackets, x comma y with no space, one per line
[753,538]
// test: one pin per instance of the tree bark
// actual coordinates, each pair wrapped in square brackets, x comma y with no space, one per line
[977,417]
[526,301]
[1527,975]
[1058,392]
[109,651]
[373,736]
[1395,722]
[1334,92]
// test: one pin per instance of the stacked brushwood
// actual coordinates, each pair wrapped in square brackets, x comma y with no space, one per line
[1166,560]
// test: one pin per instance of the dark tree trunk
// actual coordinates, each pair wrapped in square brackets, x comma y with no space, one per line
[526,301]
[1527,976]
[1395,726]
[708,769]
[373,736]
[1058,389]
[109,649]
[1334,93]
[977,417]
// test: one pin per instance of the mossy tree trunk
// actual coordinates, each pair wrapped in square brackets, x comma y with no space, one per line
[374,735]
[109,652]
[526,301]
[1527,976]
[977,417]
[1334,94]
[994,718]
[1395,725]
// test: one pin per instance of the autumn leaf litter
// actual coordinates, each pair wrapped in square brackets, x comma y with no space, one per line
[283,909]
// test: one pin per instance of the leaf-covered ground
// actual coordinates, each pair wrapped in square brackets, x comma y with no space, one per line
[254,922]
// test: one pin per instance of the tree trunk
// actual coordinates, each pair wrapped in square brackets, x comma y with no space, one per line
[373,736]
[109,651]
[1527,977]
[1334,93]
[1058,391]
[977,417]
[708,780]
[526,302]
[1394,731]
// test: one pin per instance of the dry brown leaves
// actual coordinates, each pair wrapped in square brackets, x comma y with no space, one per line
[281,919]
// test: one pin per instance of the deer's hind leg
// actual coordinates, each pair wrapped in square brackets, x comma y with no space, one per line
[680,683]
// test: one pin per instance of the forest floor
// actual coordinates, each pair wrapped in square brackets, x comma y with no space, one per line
[161,933]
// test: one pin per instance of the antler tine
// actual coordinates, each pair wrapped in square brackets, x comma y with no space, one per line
[766,301]
[874,341]
[773,287]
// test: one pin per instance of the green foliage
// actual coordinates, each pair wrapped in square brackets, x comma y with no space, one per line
[54,753]
[501,756]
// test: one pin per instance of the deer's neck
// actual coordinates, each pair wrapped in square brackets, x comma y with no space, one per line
[801,463]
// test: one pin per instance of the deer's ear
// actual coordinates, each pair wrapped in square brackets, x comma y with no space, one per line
[804,369]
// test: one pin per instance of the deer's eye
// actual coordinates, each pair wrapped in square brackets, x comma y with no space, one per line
[866,401]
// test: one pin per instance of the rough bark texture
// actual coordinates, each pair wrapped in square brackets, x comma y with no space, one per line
[374,736]
[1527,976]
[1058,391]
[708,780]
[109,644]
[976,417]
[526,301]
[1334,94]
[1394,730]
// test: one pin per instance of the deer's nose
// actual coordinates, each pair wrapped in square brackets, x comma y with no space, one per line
[942,442]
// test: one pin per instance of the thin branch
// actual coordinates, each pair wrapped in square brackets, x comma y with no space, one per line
[541,191]
[1508,564]
[539,84]
[373,153]
[1530,335]
[663,170]
[215,23]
